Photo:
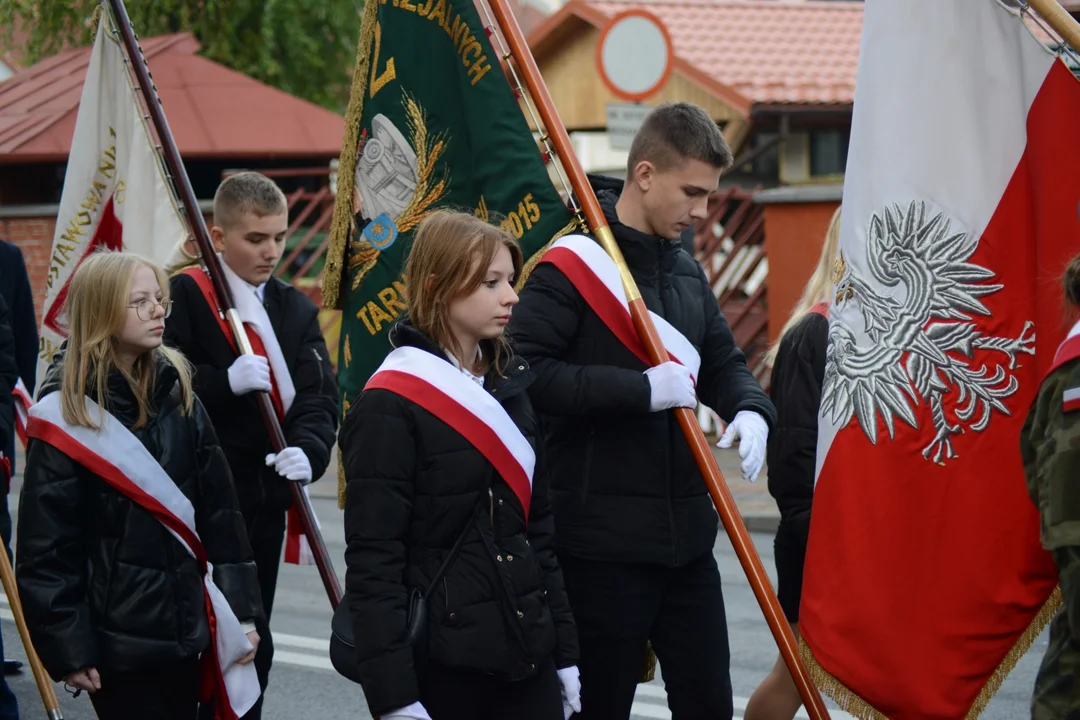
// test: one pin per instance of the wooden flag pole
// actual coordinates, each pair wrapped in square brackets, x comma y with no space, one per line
[44,682]
[225,301]
[1059,18]
[706,461]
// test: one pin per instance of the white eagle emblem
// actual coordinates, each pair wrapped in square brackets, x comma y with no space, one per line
[922,335]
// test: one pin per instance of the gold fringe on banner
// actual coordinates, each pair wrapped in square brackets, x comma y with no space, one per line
[341,225]
[826,683]
[1023,644]
[852,703]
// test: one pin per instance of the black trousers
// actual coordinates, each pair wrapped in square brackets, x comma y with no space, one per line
[165,692]
[450,694]
[619,607]
[266,533]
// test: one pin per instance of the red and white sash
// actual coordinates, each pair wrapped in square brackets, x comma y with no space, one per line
[115,455]
[596,276]
[440,388]
[265,344]
[1068,350]
[22,408]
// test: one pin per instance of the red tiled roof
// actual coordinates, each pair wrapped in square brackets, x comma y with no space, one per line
[212,111]
[746,51]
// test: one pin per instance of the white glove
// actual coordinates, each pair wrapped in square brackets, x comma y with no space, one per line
[415,711]
[671,386]
[571,691]
[249,373]
[754,432]
[291,464]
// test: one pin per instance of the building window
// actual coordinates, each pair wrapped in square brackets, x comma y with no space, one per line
[828,152]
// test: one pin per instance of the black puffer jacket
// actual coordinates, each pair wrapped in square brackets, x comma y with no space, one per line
[795,389]
[103,583]
[624,484]
[311,422]
[414,484]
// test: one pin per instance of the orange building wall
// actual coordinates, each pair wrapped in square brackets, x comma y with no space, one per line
[794,233]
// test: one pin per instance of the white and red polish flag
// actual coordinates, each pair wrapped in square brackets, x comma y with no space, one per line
[116,194]
[925,579]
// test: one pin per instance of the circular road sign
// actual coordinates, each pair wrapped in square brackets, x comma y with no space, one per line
[634,55]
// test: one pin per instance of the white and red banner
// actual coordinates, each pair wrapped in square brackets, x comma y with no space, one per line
[925,579]
[114,454]
[441,389]
[596,276]
[115,192]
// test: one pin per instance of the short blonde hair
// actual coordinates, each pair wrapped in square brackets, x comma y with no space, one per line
[96,307]
[247,192]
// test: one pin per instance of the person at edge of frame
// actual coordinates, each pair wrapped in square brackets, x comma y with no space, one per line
[1050,449]
[797,359]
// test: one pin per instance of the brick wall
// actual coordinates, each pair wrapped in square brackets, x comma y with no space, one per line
[34,237]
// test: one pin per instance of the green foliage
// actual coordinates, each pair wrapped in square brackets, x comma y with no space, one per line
[304,47]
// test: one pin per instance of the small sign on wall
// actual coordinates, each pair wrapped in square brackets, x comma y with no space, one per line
[623,121]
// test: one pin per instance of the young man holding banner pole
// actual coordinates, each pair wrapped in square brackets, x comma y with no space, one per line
[634,520]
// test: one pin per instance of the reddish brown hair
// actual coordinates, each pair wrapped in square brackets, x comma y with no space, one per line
[449,258]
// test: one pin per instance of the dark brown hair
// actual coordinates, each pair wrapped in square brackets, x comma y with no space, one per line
[674,132]
[1072,281]
[449,258]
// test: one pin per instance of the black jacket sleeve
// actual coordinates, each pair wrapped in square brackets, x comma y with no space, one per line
[210,382]
[725,383]
[221,526]
[9,375]
[542,541]
[23,322]
[311,423]
[52,560]
[797,377]
[379,458]
[544,324]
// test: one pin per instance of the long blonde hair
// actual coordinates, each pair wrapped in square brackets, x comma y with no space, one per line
[96,309]
[818,288]
[453,249]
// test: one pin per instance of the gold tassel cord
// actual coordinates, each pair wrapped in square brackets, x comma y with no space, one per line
[852,703]
[341,224]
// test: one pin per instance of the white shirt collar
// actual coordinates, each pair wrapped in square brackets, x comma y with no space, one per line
[478,379]
[260,291]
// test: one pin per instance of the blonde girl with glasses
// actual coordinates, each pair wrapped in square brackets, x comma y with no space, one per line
[134,565]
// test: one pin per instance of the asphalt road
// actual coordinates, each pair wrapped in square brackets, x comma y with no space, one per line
[303,685]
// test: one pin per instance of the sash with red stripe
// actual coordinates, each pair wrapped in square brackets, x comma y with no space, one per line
[596,276]
[441,389]
[1067,351]
[297,549]
[22,408]
[115,455]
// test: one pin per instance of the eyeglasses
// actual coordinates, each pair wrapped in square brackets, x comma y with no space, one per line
[146,307]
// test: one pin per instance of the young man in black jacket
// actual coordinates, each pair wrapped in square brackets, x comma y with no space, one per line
[250,220]
[635,525]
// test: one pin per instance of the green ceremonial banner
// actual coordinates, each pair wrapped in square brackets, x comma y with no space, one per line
[438,126]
